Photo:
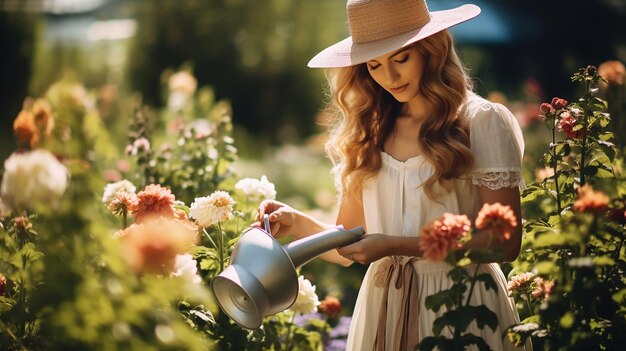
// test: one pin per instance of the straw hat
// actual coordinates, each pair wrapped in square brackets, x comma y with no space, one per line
[382,26]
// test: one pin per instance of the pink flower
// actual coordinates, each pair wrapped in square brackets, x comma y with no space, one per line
[543,289]
[568,125]
[519,283]
[546,108]
[152,246]
[590,201]
[559,103]
[154,200]
[497,218]
[442,235]
[543,173]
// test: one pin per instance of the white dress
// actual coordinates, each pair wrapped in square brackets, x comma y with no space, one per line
[395,204]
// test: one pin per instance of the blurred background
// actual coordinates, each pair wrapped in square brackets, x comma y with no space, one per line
[254,53]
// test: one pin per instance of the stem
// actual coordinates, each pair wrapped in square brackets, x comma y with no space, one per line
[290,332]
[220,236]
[554,166]
[125,218]
[584,144]
[530,309]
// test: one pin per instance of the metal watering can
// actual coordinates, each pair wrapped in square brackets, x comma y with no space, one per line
[261,279]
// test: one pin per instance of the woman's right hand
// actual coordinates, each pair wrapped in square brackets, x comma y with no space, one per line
[282,217]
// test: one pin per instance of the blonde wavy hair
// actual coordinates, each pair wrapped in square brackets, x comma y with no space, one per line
[364,117]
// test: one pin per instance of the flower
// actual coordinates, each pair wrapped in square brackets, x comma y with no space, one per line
[33,178]
[139,146]
[22,223]
[153,245]
[330,306]
[519,283]
[217,207]
[183,82]
[613,71]
[497,218]
[3,285]
[185,266]
[590,200]
[558,103]
[442,235]
[122,203]
[543,289]
[154,200]
[111,189]
[25,129]
[255,189]
[307,301]
[569,125]
[546,108]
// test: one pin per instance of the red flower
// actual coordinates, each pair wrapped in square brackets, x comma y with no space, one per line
[568,124]
[330,306]
[497,218]
[590,200]
[154,200]
[559,103]
[546,108]
[442,235]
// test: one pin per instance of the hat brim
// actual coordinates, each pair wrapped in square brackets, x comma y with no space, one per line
[346,53]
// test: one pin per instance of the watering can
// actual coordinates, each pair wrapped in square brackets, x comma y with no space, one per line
[261,279]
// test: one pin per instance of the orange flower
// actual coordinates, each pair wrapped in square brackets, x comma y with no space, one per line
[442,235]
[22,223]
[33,123]
[152,246]
[590,200]
[497,218]
[122,202]
[613,71]
[154,200]
[25,129]
[330,306]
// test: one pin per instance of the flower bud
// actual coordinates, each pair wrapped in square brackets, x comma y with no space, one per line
[591,70]
[559,103]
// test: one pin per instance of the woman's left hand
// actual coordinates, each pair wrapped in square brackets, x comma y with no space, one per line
[370,248]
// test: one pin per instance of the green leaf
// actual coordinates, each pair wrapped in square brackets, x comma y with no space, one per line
[567,321]
[604,261]
[546,268]
[428,343]
[443,298]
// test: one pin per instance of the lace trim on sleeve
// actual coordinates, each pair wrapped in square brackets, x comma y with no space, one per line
[497,180]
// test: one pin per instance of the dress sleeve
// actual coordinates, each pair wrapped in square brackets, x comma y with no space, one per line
[498,146]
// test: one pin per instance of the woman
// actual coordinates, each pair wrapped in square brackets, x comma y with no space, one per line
[410,143]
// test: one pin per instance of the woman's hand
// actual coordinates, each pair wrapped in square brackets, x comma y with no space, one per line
[370,248]
[282,217]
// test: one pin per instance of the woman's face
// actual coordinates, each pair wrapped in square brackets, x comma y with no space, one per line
[398,72]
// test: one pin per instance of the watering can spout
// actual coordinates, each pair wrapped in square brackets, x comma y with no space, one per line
[304,250]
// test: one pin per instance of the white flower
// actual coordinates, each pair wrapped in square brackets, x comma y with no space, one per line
[256,190]
[32,178]
[111,189]
[307,300]
[525,328]
[185,266]
[217,207]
